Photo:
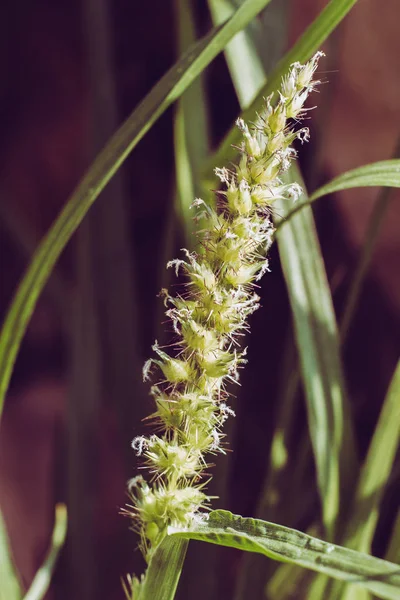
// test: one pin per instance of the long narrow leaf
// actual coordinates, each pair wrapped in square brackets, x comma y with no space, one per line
[373,478]
[167,90]
[10,586]
[245,67]
[376,470]
[292,546]
[191,139]
[41,581]
[318,345]
[385,173]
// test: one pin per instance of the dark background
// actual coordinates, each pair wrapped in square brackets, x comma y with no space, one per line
[71,73]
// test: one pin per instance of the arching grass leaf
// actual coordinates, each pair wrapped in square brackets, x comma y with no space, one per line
[292,546]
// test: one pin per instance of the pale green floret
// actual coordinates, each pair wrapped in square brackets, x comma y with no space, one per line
[217,364]
[168,413]
[204,278]
[253,146]
[229,251]
[161,506]
[277,119]
[175,370]
[210,314]
[172,460]
[244,275]
[276,141]
[263,172]
[239,198]
[198,337]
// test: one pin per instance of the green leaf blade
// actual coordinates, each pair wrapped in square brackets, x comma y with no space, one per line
[385,173]
[41,581]
[376,470]
[10,585]
[292,546]
[319,352]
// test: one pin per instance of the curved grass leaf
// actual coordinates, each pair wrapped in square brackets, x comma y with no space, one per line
[167,90]
[374,475]
[318,344]
[10,586]
[376,470]
[309,42]
[292,546]
[41,581]
[385,173]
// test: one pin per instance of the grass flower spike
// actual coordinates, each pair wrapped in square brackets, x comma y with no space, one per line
[210,316]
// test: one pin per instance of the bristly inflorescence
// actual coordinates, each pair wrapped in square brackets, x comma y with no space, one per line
[210,316]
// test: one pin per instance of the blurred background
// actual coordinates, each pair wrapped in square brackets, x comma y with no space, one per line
[71,73]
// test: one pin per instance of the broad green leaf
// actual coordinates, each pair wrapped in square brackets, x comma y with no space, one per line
[385,173]
[10,586]
[167,90]
[292,546]
[318,347]
[41,581]
[303,49]
[163,573]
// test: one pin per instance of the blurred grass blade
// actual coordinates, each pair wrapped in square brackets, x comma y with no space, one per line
[292,546]
[191,131]
[245,67]
[393,551]
[164,571]
[318,346]
[184,177]
[373,478]
[374,227]
[166,91]
[385,173]
[10,586]
[41,581]
[303,49]
[376,470]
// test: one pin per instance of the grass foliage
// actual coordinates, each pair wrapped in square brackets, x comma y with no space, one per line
[350,493]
